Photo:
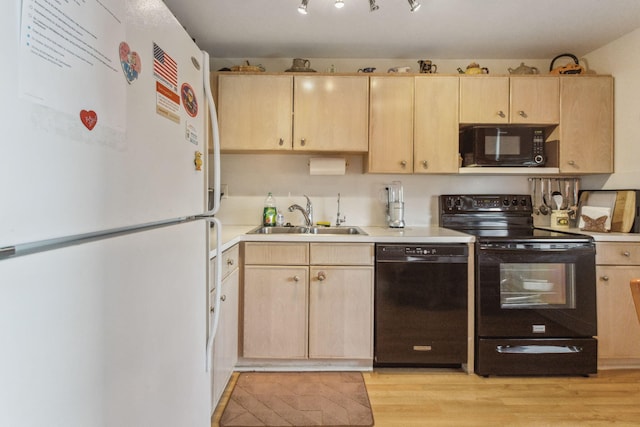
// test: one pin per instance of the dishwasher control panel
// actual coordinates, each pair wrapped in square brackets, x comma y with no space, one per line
[408,252]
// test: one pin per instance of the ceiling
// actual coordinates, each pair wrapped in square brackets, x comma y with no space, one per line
[442,29]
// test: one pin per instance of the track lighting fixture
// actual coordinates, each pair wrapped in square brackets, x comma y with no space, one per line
[414,4]
[303,7]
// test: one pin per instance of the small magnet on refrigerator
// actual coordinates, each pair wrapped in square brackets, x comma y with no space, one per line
[198,161]
[89,118]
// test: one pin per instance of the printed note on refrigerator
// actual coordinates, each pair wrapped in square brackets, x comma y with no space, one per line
[69,57]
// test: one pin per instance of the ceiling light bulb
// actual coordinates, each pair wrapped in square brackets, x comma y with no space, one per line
[373,6]
[303,7]
[339,4]
[415,5]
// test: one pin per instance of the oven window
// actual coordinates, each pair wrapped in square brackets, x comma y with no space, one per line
[537,285]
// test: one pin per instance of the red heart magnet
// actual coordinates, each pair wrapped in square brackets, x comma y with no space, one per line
[89,118]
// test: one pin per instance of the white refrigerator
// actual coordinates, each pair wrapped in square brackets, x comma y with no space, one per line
[104,229]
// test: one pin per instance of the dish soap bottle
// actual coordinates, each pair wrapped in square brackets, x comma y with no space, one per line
[269,213]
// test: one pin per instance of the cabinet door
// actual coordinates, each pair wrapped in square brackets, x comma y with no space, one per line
[225,347]
[275,312]
[436,125]
[535,100]
[484,99]
[254,112]
[586,124]
[618,326]
[341,312]
[391,125]
[331,113]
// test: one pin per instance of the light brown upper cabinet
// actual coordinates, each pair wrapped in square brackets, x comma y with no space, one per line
[586,124]
[501,99]
[255,112]
[534,100]
[391,125]
[435,141]
[331,113]
[413,124]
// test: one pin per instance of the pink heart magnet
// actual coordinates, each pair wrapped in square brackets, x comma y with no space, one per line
[130,62]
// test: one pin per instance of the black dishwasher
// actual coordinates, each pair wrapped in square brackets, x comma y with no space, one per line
[421,305]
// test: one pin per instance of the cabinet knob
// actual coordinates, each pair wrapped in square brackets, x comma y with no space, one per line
[571,162]
[605,278]
[303,142]
[223,298]
[424,164]
[229,261]
[321,275]
[281,141]
[403,163]
[522,113]
[296,278]
[501,114]
[626,253]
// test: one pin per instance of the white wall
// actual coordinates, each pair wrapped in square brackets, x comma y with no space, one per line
[251,177]
[620,58]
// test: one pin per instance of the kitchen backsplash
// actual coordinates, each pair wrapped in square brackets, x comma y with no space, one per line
[249,177]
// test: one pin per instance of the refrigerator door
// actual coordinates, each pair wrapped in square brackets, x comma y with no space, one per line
[107,333]
[100,130]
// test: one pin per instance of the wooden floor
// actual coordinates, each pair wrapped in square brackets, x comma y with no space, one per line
[452,398]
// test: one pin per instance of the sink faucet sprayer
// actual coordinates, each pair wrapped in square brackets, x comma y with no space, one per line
[308,213]
[338,219]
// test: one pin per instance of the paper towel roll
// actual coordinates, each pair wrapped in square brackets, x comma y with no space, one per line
[327,166]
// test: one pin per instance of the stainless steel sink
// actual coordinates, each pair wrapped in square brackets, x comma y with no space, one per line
[355,231]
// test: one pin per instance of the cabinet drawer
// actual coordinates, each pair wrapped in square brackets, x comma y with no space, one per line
[342,253]
[618,253]
[230,260]
[278,253]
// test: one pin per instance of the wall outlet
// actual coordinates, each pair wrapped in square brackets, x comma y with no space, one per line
[224,191]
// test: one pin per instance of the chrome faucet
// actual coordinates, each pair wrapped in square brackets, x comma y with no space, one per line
[307,213]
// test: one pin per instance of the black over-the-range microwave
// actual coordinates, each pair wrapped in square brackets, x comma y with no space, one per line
[502,146]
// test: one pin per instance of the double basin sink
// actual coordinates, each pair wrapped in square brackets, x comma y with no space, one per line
[355,231]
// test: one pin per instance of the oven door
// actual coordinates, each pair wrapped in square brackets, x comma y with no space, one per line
[536,290]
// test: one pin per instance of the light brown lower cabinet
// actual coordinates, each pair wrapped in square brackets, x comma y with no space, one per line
[318,309]
[618,327]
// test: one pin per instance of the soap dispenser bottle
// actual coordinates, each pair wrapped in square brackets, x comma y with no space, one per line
[270,212]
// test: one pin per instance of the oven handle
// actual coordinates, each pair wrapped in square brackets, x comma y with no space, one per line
[538,349]
[582,248]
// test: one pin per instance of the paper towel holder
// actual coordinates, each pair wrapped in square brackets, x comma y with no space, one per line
[327,165]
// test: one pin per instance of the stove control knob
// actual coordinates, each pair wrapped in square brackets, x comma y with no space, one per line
[505,202]
[514,202]
[523,202]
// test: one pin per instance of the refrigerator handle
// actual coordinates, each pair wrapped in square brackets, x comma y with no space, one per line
[213,115]
[213,320]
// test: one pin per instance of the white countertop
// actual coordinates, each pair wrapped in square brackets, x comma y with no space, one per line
[232,234]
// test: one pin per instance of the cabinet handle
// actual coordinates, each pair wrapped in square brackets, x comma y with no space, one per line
[303,142]
[424,164]
[605,278]
[522,113]
[229,261]
[403,163]
[321,276]
[281,141]
[501,113]
[296,278]
[626,253]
